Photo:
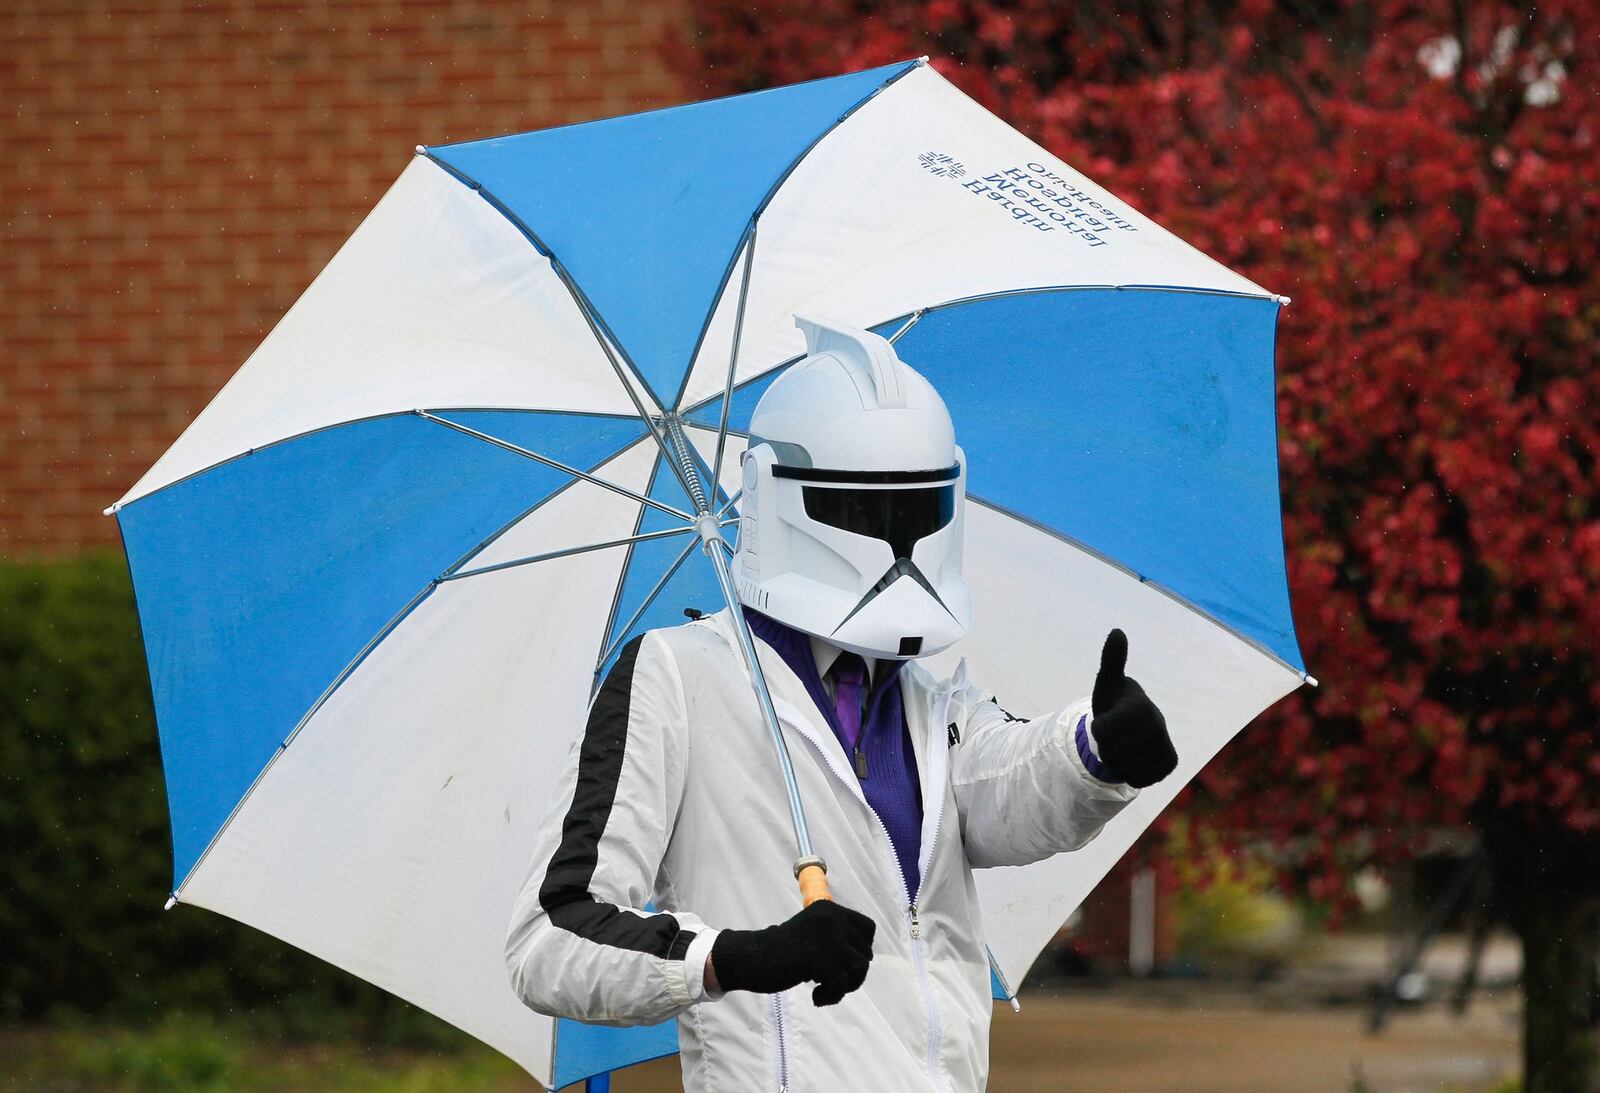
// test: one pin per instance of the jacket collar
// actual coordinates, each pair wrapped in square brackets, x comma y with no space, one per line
[799,653]
[925,699]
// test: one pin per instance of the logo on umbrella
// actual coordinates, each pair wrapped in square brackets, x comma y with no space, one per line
[942,165]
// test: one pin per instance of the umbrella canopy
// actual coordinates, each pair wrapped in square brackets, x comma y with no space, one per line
[380,574]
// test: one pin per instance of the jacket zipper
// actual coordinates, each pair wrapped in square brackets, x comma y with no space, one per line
[780,1028]
[919,956]
[930,1005]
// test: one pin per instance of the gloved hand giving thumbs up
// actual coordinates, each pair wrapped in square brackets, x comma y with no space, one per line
[1129,732]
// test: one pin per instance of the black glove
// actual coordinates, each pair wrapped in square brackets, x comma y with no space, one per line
[826,944]
[1129,731]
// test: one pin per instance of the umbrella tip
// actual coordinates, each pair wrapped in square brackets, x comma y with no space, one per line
[1283,301]
[109,510]
[422,149]
[1312,680]
[172,901]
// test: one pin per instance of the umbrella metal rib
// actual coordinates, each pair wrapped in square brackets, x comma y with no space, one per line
[591,317]
[554,464]
[650,597]
[616,366]
[411,605]
[665,533]
[733,357]
[355,662]
[916,316]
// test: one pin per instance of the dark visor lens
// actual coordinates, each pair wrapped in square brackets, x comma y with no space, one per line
[900,516]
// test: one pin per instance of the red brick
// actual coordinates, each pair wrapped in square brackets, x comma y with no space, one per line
[176,173]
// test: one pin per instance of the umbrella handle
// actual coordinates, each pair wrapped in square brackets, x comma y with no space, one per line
[812,873]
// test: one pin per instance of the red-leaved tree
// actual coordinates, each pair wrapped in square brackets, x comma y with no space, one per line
[1423,178]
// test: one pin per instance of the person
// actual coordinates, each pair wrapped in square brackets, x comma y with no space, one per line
[662,884]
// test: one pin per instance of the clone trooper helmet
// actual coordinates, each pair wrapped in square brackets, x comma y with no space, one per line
[854,495]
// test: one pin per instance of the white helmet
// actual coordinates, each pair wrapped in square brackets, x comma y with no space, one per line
[854,497]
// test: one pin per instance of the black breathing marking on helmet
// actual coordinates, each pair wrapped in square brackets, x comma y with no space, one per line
[910,646]
[868,478]
[903,567]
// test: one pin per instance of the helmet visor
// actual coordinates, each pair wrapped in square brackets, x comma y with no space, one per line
[900,516]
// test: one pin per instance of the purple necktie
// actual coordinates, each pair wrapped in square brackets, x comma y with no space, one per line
[849,673]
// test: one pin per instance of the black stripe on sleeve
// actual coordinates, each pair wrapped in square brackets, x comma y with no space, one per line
[565,894]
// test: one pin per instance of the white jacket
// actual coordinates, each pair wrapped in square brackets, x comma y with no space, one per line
[672,823]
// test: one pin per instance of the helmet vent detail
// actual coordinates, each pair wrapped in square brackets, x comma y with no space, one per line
[866,350]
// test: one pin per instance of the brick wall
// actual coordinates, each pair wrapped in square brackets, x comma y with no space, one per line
[172,175]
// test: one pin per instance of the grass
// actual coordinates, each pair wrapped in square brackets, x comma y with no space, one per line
[190,1054]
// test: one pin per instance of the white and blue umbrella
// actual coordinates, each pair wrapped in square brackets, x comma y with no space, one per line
[379,575]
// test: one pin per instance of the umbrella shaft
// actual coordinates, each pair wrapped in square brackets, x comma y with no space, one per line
[687,471]
[712,543]
[797,812]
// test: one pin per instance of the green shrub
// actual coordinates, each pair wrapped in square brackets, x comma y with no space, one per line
[83,824]
[181,1056]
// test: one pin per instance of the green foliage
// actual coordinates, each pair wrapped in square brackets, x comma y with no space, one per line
[1236,924]
[1228,917]
[88,856]
[192,1054]
[178,1056]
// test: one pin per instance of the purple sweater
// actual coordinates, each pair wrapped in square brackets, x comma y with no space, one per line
[891,785]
